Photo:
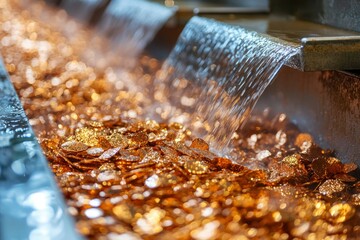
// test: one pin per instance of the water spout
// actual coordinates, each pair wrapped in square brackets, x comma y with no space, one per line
[217,72]
[133,24]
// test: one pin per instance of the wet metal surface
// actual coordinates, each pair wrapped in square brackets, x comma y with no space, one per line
[322,47]
[338,13]
[326,104]
[31,206]
[187,9]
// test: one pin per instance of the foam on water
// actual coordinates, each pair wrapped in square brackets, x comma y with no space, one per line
[133,24]
[217,72]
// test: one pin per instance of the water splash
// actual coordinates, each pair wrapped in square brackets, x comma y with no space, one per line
[133,24]
[217,72]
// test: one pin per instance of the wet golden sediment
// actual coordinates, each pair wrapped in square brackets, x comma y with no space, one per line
[127,178]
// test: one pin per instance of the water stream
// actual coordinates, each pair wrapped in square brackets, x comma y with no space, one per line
[81,9]
[217,72]
[133,24]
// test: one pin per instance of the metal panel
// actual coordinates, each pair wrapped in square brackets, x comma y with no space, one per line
[325,104]
[337,13]
[320,47]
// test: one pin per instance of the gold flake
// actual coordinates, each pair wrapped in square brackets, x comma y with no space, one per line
[341,212]
[292,160]
[331,186]
[123,212]
[97,151]
[87,136]
[109,153]
[117,140]
[74,146]
[195,166]
[199,144]
[95,124]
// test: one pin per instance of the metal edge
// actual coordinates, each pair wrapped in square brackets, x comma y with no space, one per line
[225,10]
[31,205]
[338,52]
[330,53]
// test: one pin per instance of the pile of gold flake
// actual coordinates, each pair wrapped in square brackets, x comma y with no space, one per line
[126,178]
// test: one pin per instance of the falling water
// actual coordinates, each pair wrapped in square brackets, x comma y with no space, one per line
[133,24]
[82,9]
[217,72]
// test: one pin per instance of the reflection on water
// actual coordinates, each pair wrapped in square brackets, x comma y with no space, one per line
[133,24]
[217,72]
[30,205]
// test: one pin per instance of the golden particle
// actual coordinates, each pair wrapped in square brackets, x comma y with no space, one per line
[222,162]
[117,140]
[355,199]
[300,229]
[153,181]
[95,124]
[74,146]
[277,216]
[124,212]
[320,208]
[292,160]
[97,151]
[137,139]
[87,136]
[109,153]
[349,167]
[341,212]
[150,223]
[152,125]
[208,231]
[107,166]
[152,137]
[302,138]
[199,144]
[195,166]
[331,186]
